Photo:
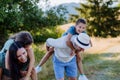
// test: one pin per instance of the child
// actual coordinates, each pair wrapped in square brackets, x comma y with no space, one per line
[79,27]
[25,39]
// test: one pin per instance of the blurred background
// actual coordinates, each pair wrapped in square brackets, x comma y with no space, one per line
[51,18]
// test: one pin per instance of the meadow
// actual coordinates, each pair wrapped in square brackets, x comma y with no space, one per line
[101,62]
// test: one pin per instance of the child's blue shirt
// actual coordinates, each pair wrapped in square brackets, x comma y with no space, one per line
[72,31]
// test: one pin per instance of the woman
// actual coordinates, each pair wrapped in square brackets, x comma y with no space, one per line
[18,62]
[25,39]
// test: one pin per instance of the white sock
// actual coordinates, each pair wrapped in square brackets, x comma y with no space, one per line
[38,69]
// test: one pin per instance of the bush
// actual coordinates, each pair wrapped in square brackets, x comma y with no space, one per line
[42,34]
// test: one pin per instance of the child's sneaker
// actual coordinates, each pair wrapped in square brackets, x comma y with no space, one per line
[82,77]
[38,69]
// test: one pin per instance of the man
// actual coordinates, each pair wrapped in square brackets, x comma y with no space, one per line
[62,60]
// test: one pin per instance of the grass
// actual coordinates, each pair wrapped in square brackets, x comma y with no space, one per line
[101,62]
[103,68]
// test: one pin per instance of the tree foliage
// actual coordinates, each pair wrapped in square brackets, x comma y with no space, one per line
[102,18]
[17,15]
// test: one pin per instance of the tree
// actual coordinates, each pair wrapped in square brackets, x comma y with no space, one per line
[55,15]
[101,17]
[17,15]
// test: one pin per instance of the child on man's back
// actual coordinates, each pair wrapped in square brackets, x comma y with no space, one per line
[80,26]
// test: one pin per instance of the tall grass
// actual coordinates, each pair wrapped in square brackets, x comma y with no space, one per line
[97,63]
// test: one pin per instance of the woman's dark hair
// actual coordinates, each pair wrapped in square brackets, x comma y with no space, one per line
[13,61]
[24,38]
[81,21]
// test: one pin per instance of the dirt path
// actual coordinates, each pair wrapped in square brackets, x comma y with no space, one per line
[107,65]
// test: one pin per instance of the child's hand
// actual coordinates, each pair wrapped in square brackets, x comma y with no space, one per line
[73,52]
[47,48]
[26,78]
[23,73]
[51,49]
[82,50]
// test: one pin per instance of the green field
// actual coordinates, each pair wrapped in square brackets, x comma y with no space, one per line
[101,62]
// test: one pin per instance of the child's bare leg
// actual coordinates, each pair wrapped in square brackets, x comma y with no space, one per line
[44,59]
[1,73]
[79,63]
[46,56]
[33,74]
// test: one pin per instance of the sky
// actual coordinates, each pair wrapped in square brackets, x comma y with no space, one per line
[44,5]
[57,2]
